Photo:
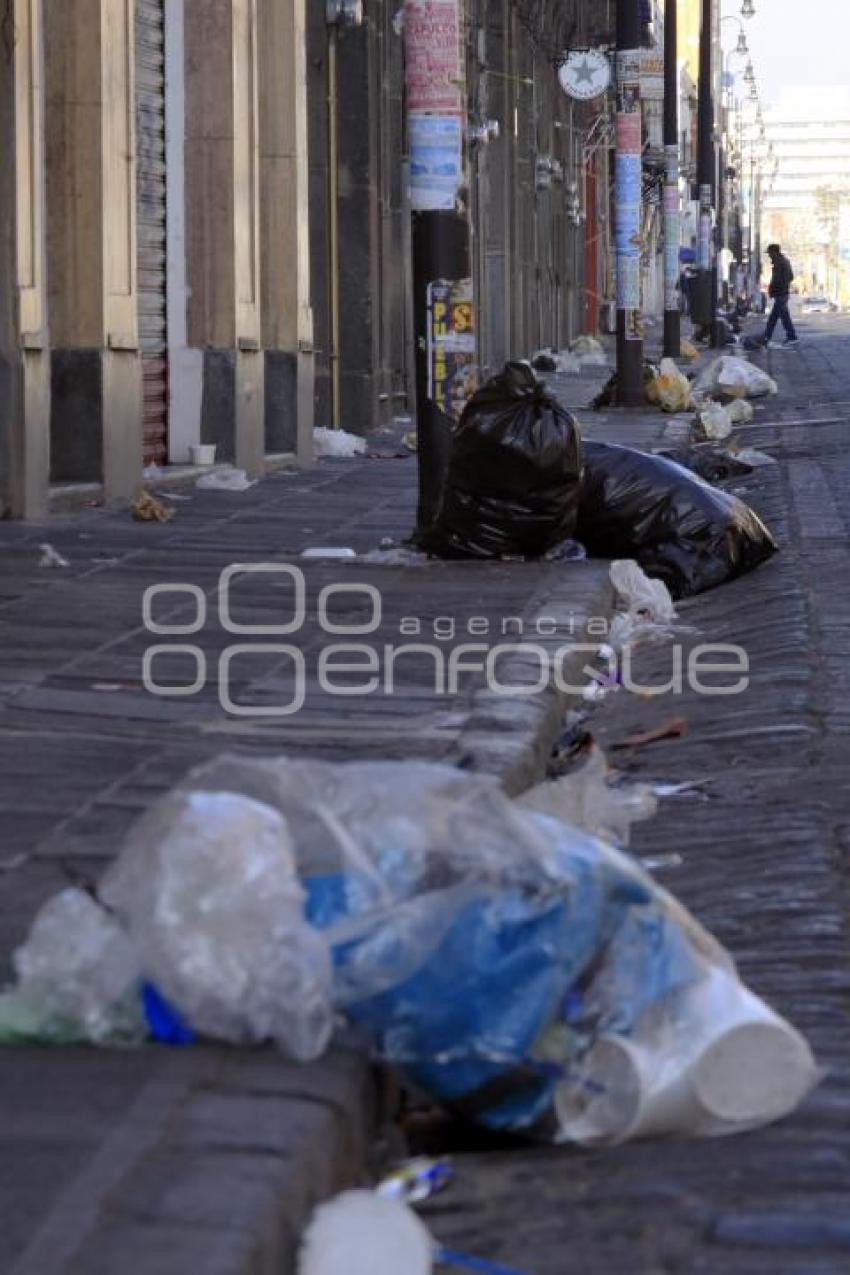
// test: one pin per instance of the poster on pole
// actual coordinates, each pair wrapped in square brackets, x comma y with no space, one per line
[436,161]
[452,373]
[434,74]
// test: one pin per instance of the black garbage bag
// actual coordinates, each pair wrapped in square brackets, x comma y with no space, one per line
[679,528]
[512,486]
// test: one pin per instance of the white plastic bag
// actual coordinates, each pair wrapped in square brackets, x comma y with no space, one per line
[207,889]
[643,597]
[336,443]
[740,411]
[588,799]
[715,422]
[589,352]
[225,480]
[672,387]
[362,1233]
[735,377]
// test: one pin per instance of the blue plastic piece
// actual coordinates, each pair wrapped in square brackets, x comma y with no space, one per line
[167,1024]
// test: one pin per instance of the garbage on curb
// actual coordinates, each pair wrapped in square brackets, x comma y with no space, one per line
[589,352]
[338,552]
[512,486]
[336,443]
[506,962]
[754,458]
[417,1180]
[51,557]
[733,377]
[689,351]
[712,461]
[714,422]
[645,608]
[589,798]
[560,362]
[146,508]
[672,728]
[225,480]
[671,389]
[676,526]
[363,1232]
[741,412]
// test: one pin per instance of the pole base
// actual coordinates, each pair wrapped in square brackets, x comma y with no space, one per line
[630,391]
[672,334]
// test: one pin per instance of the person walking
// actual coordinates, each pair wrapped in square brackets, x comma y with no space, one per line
[780,292]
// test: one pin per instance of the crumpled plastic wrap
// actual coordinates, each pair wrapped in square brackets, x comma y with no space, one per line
[672,389]
[734,377]
[510,964]
[207,890]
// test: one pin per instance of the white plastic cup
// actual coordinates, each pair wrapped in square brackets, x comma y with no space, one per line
[202,453]
[731,1063]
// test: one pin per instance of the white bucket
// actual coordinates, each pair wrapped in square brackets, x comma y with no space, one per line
[721,1061]
[202,453]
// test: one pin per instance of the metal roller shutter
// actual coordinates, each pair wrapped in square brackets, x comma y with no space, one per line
[151,226]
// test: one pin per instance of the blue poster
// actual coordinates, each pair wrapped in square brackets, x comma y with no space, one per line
[436,161]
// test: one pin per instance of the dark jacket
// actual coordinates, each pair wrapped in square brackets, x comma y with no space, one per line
[782,278]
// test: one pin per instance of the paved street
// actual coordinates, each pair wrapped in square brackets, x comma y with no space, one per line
[209,1160]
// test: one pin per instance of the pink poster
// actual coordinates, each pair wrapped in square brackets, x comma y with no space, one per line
[432,46]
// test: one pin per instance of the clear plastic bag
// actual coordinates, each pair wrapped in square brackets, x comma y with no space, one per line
[672,389]
[734,377]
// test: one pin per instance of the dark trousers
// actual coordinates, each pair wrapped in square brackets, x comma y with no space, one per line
[780,311]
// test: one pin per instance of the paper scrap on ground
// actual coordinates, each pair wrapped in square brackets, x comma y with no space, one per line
[50,557]
[225,480]
[336,442]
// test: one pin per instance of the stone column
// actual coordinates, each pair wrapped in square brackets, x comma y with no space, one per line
[287,314]
[223,224]
[96,423]
[24,353]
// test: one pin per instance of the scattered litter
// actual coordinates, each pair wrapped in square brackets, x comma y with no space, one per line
[714,422]
[752,456]
[363,1233]
[671,389]
[679,790]
[107,686]
[395,557]
[589,352]
[405,455]
[336,442]
[151,473]
[566,551]
[552,361]
[677,527]
[146,508]
[741,411]
[572,745]
[175,496]
[329,551]
[417,1180]
[508,964]
[660,862]
[51,557]
[648,599]
[735,377]
[514,471]
[588,799]
[689,351]
[225,480]
[711,461]
[673,728]
[411,441]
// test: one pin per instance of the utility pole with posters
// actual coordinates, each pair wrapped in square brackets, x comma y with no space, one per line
[706,292]
[672,313]
[627,220]
[443,310]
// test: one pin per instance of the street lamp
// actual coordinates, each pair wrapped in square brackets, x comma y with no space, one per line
[749,74]
[748,9]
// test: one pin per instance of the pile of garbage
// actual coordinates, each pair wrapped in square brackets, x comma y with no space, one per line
[520,483]
[503,959]
[584,352]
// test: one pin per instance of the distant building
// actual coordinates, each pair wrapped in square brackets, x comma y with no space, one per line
[809,208]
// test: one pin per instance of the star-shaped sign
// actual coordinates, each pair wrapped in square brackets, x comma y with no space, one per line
[585,73]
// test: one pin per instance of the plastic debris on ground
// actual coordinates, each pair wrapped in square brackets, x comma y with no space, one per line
[714,422]
[417,1180]
[689,351]
[671,389]
[676,526]
[225,480]
[512,486]
[672,728]
[146,508]
[712,461]
[753,457]
[556,362]
[364,1233]
[741,411]
[589,798]
[733,377]
[335,443]
[516,968]
[51,557]
[646,611]
[341,552]
[397,556]
[589,352]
